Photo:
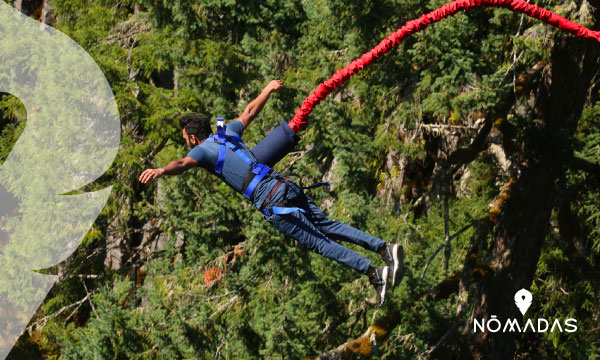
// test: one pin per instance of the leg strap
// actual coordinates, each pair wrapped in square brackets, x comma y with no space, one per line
[279,209]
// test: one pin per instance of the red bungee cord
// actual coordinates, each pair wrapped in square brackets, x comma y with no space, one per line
[325,88]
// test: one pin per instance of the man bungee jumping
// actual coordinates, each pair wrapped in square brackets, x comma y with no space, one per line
[280,199]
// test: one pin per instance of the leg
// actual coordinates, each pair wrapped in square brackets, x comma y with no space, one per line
[392,254]
[339,231]
[301,227]
[298,226]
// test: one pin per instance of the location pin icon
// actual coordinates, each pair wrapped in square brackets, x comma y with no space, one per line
[523,300]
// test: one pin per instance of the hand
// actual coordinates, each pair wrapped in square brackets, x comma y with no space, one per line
[150,175]
[275,85]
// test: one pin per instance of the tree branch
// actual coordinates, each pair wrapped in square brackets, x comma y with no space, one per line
[42,322]
[464,156]
[589,167]
[146,160]
[449,285]
[441,340]
[464,228]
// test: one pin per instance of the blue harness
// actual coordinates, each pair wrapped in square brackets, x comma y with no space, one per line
[259,170]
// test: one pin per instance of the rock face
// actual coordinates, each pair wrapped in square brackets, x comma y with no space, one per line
[145,242]
[114,248]
[131,241]
[38,9]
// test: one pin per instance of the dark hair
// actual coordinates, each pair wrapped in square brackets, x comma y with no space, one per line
[196,124]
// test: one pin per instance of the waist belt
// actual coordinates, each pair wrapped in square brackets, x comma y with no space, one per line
[282,210]
[279,210]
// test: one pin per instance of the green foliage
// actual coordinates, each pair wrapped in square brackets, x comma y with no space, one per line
[112,335]
[277,299]
[12,123]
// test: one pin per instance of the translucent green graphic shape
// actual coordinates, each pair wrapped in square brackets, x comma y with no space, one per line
[71,138]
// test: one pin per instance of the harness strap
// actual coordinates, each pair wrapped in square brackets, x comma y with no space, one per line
[259,170]
[278,210]
[316,185]
[220,160]
[221,138]
[282,210]
[231,141]
[262,171]
[225,141]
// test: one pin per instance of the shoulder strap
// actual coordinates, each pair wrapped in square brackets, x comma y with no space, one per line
[230,141]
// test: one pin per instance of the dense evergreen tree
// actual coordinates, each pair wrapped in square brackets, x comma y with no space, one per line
[475,144]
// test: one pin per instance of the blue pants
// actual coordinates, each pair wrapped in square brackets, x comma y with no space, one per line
[317,232]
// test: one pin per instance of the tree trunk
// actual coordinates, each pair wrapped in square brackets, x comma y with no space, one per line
[523,226]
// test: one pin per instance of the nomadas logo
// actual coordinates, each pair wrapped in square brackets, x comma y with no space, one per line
[523,300]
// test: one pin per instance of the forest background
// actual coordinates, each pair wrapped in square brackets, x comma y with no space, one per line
[475,144]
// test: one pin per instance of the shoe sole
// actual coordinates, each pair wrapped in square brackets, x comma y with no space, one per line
[398,265]
[395,268]
[398,259]
[384,290]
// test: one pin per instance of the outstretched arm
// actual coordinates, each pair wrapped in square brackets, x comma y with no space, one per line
[257,104]
[175,167]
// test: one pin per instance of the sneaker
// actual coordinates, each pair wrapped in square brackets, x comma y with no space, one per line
[393,255]
[379,281]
